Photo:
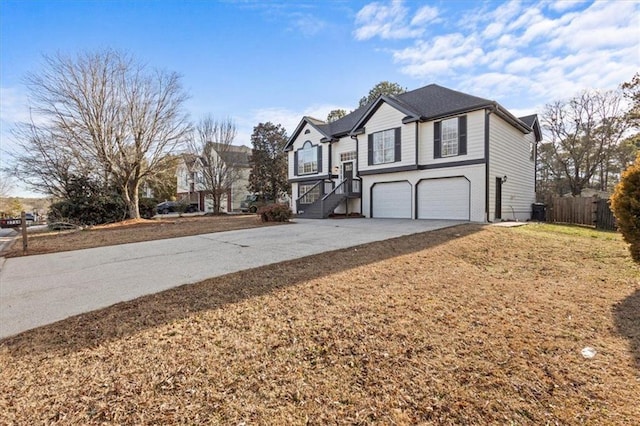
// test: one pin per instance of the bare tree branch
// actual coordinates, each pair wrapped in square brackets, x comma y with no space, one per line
[105,115]
[212,141]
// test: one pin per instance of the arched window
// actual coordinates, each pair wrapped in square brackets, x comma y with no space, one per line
[308,159]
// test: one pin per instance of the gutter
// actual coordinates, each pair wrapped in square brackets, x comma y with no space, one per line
[355,138]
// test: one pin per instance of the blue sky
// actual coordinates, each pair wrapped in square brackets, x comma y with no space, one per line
[257,61]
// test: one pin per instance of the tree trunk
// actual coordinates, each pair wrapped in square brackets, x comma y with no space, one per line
[132,200]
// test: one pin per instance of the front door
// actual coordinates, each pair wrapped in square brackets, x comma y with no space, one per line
[347,173]
[498,198]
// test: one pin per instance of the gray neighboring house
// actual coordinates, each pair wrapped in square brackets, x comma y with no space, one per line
[431,153]
[190,179]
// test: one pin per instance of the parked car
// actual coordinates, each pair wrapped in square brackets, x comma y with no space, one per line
[253,202]
[175,206]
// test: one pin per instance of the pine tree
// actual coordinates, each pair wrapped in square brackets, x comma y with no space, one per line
[269,161]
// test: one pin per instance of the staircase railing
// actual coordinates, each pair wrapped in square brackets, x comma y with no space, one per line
[310,190]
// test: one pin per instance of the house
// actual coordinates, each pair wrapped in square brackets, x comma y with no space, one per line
[191,178]
[431,153]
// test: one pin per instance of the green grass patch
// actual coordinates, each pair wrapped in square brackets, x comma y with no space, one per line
[562,230]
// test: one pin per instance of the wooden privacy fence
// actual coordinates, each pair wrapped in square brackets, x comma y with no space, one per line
[591,211]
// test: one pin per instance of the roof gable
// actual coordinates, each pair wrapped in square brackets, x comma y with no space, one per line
[319,125]
[426,103]
[532,122]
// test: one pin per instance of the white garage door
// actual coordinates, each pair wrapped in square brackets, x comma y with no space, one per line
[391,200]
[443,199]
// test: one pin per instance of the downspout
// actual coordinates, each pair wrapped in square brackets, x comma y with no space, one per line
[355,138]
[415,196]
[487,129]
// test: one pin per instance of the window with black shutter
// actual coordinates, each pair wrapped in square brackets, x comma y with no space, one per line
[450,137]
[384,147]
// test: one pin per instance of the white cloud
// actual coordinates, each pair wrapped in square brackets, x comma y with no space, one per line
[392,21]
[288,118]
[523,65]
[14,106]
[563,5]
[307,24]
[440,55]
[424,15]
[534,52]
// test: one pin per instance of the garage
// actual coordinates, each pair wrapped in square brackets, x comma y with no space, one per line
[446,198]
[391,200]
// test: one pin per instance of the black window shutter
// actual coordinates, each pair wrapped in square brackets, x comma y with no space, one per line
[462,135]
[398,144]
[319,158]
[370,161]
[295,163]
[437,140]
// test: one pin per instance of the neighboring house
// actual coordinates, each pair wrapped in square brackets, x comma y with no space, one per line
[190,179]
[431,153]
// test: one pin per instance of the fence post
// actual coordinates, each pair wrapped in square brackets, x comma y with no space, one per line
[23,217]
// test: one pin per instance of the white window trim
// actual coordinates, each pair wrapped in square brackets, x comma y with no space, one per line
[311,151]
[386,140]
[310,197]
[449,138]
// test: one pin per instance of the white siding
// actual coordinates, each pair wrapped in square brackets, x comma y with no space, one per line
[345,144]
[509,155]
[475,140]
[386,118]
[182,177]
[239,189]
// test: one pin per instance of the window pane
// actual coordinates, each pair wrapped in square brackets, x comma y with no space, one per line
[308,160]
[449,130]
[384,147]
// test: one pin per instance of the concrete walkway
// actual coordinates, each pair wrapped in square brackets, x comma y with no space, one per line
[39,290]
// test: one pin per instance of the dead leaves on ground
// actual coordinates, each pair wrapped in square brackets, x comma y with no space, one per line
[464,325]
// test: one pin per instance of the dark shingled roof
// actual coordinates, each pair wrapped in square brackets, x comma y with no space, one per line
[426,103]
[529,119]
[434,101]
[232,154]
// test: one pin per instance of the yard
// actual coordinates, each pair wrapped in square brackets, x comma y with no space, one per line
[133,231]
[470,325]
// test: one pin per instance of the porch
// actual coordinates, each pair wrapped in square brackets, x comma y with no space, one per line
[321,199]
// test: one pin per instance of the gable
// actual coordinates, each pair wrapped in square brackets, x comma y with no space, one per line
[306,125]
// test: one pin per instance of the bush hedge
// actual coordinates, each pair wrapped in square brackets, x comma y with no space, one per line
[275,213]
[148,207]
[625,204]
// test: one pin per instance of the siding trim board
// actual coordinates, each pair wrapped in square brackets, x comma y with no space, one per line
[307,177]
[452,164]
[388,170]
[487,138]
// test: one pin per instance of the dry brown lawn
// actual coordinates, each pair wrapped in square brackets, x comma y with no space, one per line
[132,232]
[467,325]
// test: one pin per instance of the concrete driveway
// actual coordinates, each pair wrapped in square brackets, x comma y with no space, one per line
[42,289]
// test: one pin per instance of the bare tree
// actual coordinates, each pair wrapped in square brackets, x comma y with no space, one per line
[6,185]
[212,142]
[584,131]
[107,115]
[41,163]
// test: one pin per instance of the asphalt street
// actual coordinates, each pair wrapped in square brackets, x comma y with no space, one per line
[41,289]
